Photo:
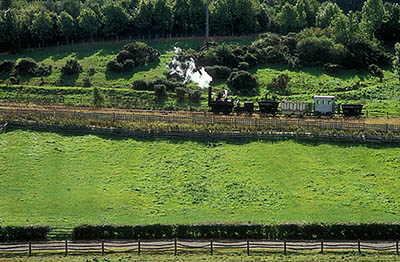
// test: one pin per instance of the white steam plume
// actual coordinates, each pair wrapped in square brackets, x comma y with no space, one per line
[187,70]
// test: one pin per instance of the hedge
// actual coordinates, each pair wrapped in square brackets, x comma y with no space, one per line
[372,231]
[15,233]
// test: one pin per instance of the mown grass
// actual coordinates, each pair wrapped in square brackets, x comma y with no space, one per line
[378,97]
[61,179]
[231,256]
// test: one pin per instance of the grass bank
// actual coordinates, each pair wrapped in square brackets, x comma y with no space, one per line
[63,179]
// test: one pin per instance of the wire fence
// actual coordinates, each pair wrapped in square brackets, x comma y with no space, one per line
[232,121]
[212,246]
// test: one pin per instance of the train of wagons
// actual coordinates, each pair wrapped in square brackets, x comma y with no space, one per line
[322,106]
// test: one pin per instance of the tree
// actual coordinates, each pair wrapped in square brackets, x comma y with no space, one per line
[287,18]
[42,26]
[116,19]
[181,12]
[221,17]
[88,22]
[10,30]
[144,18]
[98,98]
[340,28]
[372,16]
[396,61]
[326,14]
[163,13]
[66,24]
[5,4]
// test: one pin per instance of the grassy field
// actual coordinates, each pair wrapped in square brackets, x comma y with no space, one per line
[60,179]
[379,98]
[220,257]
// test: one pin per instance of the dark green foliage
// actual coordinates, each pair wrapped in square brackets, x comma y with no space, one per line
[6,66]
[24,233]
[373,231]
[26,66]
[243,66]
[169,84]
[87,82]
[180,93]
[218,72]
[133,54]
[98,98]
[375,71]
[242,82]
[279,84]
[143,85]
[72,67]
[42,70]
[195,96]
[160,91]
[315,50]
[332,68]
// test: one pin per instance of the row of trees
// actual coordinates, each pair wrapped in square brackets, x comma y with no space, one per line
[41,22]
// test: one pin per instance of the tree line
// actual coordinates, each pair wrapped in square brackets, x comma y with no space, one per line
[25,23]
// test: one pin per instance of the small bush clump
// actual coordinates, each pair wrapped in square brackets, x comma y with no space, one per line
[242,83]
[280,84]
[143,85]
[7,66]
[160,91]
[72,67]
[218,72]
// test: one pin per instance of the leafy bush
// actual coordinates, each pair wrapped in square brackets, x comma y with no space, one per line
[251,60]
[195,96]
[160,91]
[26,66]
[218,72]
[71,67]
[242,82]
[279,84]
[180,93]
[243,66]
[25,233]
[169,84]
[315,50]
[143,85]
[376,71]
[332,68]
[98,98]
[42,70]
[87,82]
[133,54]
[6,66]
[373,231]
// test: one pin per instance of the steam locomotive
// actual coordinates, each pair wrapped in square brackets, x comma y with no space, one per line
[322,106]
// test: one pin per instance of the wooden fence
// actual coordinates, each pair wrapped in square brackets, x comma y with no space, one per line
[232,121]
[212,246]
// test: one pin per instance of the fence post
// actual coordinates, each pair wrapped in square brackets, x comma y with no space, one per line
[175,246]
[211,245]
[66,247]
[138,246]
[359,246]
[322,246]
[397,247]
[248,247]
[102,247]
[30,248]
[284,247]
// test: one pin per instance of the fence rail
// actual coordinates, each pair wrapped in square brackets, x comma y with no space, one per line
[232,121]
[67,247]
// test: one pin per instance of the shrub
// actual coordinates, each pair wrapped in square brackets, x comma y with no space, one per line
[180,93]
[242,82]
[87,82]
[225,55]
[71,67]
[25,233]
[128,65]
[123,55]
[42,70]
[114,66]
[279,84]
[251,60]
[332,68]
[26,66]
[218,72]
[243,66]
[376,71]
[7,66]
[160,91]
[98,98]
[195,96]
[169,84]
[315,50]
[142,85]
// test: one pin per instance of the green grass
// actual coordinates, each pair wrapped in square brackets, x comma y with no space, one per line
[233,256]
[60,179]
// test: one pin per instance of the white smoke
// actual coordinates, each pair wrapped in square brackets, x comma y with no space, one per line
[188,71]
